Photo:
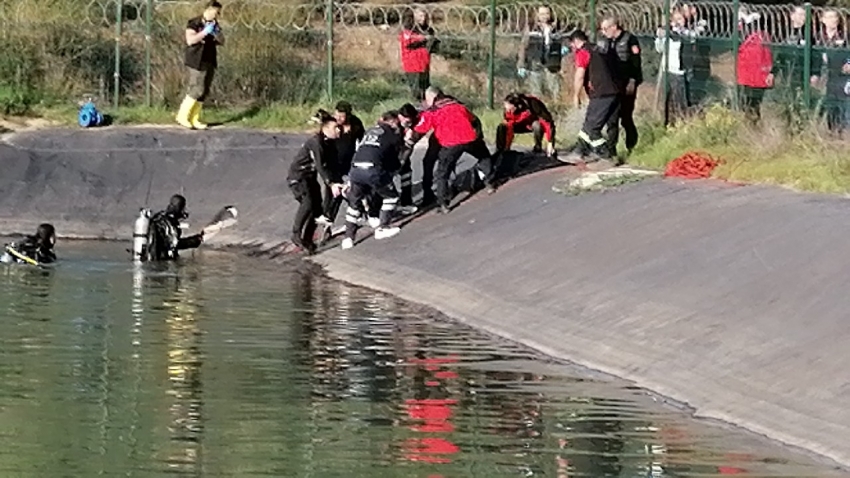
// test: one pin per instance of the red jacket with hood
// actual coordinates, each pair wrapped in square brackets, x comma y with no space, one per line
[755,61]
[415,54]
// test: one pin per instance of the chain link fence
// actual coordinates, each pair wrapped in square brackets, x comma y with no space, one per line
[130,52]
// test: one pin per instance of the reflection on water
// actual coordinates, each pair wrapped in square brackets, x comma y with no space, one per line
[227,366]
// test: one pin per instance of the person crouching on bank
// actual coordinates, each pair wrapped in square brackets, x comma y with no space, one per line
[203,37]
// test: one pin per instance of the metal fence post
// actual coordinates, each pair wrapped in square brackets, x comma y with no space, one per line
[119,18]
[736,42]
[666,67]
[491,61]
[148,47]
[330,36]
[807,59]
[592,20]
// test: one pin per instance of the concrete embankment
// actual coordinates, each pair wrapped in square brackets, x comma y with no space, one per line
[91,183]
[730,299]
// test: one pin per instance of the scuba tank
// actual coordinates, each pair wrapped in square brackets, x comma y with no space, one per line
[140,234]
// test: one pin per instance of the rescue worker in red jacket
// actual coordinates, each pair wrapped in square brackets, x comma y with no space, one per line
[596,75]
[456,131]
[526,114]
[755,65]
[417,43]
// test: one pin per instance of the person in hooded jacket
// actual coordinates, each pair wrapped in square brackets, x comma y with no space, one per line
[308,167]
[164,232]
[755,65]
[38,247]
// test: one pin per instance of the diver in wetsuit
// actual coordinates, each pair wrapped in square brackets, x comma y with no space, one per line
[38,247]
[164,232]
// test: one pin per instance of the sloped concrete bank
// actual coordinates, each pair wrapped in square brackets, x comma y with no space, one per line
[729,299]
[732,300]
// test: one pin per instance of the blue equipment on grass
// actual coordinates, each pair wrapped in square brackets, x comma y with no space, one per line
[89,116]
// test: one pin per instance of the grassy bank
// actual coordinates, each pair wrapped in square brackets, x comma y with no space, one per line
[766,153]
[808,160]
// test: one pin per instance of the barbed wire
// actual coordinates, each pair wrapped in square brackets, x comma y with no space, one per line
[643,17]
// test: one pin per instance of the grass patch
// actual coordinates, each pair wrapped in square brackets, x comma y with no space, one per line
[767,153]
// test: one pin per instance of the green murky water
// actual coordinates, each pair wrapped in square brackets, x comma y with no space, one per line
[229,366]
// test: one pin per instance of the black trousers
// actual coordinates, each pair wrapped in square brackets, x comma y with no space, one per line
[751,99]
[679,99]
[601,112]
[447,161]
[429,161]
[504,137]
[372,187]
[309,196]
[418,83]
[405,176]
[626,112]
[330,204]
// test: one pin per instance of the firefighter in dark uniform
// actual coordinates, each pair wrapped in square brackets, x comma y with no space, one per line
[371,176]
[408,116]
[630,74]
[595,75]
[526,114]
[309,166]
[457,131]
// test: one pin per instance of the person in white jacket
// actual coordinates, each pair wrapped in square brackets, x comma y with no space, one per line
[680,66]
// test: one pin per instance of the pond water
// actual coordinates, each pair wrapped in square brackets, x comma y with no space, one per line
[224,365]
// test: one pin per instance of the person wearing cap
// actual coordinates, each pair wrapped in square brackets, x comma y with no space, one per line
[202,36]
[595,75]
[35,249]
[375,163]
[350,133]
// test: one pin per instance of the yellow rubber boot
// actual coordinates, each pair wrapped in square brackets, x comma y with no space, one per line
[186,109]
[195,116]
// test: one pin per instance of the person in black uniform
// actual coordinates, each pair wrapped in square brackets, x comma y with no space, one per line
[203,36]
[371,175]
[164,232]
[350,133]
[629,74]
[38,247]
[309,166]
[594,74]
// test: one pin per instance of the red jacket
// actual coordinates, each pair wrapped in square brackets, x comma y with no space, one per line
[755,61]
[451,122]
[415,57]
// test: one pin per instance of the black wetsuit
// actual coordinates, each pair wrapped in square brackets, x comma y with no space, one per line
[164,236]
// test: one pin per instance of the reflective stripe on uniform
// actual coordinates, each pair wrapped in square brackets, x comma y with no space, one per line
[592,142]
[364,165]
[389,204]
[352,215]
[406,179]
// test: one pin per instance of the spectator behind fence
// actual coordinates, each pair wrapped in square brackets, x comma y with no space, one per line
[680,66]
[202,37]
[540,55]
[701,69]
[755,64]
[417,42]
[789,54]
[833,61]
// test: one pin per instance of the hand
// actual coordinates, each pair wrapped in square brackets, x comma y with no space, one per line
[521,72]
[565,50]
[209,28]
[631,87]
[576,101]
[217,29]
[769,80]
[550,149]
[661,32]
[814,81]
[845,69]
[336,189]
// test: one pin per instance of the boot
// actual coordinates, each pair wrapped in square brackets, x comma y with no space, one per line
[186,110]
[195,116]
